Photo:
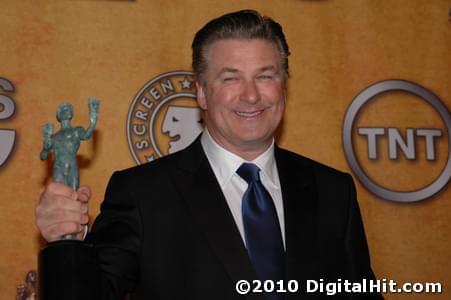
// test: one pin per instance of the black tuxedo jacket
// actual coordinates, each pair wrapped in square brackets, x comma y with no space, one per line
[165,231]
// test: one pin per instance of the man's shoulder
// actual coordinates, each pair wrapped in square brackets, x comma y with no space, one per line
[329,181]
[163,165]
[301,162]
[155,166]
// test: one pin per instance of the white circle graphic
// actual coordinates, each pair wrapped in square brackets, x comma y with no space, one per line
[359,101]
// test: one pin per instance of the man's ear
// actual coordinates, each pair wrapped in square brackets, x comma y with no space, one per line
[201,99]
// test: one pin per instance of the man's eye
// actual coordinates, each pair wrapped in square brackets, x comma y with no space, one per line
[265,77]
[228,79]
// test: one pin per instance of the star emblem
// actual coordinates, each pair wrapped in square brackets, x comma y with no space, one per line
[186,84]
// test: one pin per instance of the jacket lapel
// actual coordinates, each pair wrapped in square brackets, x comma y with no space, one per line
[209,209]
[301,214]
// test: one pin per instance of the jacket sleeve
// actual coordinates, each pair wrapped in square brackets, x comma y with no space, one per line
[356,247]
[116,240]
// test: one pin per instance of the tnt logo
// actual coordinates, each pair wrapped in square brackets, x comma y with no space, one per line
[396,137]
[397,143]
[7,108]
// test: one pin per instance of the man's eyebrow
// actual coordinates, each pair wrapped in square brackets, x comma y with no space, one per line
[235,71]
[269,68]
[227,70]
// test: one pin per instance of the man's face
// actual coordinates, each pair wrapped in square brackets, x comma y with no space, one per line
[243,94]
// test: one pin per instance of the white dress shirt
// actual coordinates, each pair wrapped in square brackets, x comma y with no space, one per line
[225,164]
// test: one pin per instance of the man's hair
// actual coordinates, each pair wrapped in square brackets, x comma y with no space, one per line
[243,24]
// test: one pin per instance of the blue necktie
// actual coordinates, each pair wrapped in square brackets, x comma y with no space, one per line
[261,228]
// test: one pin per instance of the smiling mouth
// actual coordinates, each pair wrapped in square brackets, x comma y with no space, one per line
[249,114]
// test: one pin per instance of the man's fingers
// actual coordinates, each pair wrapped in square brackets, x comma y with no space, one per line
[56,231]
[62,211]
[64,215]
[84,208]
[84,194]
[59,216]
[56,188]
[55,202]
[61,222]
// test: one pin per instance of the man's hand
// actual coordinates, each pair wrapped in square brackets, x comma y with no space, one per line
[62,211]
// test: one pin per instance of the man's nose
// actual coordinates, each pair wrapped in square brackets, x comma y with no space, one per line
[250,92]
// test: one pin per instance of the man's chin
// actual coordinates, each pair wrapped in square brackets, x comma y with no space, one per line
[256,142]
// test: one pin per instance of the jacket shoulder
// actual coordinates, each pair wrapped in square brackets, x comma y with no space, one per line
[149,171]
[304,163]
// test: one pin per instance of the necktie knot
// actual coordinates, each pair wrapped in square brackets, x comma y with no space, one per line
[249,172]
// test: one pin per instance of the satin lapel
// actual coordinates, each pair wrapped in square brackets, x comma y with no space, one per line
[209,209]
[301,214]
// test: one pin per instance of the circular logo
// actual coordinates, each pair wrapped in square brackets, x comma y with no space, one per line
[163,117]
[352,113]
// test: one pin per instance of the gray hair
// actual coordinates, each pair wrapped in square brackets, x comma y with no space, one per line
[243,24]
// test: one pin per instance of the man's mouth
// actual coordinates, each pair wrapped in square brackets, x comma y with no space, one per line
[250,114]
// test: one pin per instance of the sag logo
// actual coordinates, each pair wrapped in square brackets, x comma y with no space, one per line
[7,108]
[163,117]
[396,137]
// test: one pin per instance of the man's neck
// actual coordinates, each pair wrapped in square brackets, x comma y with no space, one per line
[246,152]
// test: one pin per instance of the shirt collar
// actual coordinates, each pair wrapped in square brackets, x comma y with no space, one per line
[225,163]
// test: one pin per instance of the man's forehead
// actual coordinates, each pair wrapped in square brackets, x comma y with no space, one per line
[225,42]
[237,49]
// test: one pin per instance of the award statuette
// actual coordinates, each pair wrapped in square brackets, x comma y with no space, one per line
[65,266]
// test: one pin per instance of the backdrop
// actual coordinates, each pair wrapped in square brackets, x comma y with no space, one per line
[68,50]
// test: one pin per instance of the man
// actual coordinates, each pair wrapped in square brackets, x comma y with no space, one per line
[232,205]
